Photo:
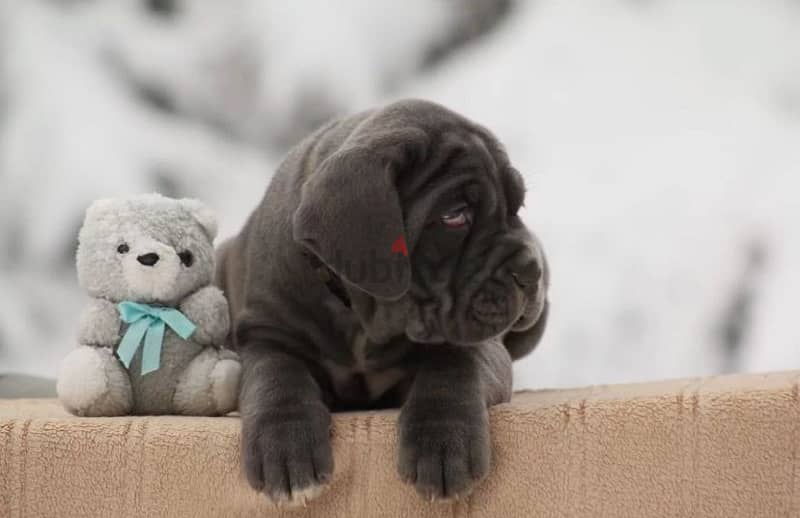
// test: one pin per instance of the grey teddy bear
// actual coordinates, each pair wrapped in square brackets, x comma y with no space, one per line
[153,254]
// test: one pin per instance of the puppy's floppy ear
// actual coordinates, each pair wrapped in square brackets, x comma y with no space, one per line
[514,186]
[350,213]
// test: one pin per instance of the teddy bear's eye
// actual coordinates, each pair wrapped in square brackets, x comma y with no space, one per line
[123,248]
[186,258]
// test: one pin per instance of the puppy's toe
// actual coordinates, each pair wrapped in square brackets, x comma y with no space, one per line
[290,462]
[444,462]
[295,483]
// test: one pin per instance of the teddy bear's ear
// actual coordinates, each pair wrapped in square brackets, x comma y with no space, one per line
[204,216]
[99,205]
[98,211]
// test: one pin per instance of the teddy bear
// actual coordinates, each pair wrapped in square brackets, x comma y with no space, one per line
[150,340]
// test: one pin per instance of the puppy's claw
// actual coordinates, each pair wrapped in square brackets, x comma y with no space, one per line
[297,497]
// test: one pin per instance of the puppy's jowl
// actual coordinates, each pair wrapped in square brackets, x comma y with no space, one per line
[386,266]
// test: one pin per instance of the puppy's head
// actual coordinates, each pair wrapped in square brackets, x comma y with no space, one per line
[418,210]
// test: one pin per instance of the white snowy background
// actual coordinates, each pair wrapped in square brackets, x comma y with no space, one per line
[660,140]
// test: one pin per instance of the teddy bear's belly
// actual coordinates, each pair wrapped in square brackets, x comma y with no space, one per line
[153,392]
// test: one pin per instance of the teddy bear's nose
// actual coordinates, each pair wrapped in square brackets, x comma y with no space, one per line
[148,259]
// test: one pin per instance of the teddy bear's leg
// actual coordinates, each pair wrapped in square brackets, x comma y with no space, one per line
[93,383]
[210,384]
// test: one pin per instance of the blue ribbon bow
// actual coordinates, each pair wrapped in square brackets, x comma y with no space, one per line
[149,322]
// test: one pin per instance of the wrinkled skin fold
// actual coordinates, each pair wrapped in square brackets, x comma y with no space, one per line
[414,209]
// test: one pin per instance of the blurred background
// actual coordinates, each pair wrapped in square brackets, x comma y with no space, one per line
[660,140]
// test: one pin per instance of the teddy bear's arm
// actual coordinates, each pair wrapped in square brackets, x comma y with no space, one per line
[207,308]
[100,324]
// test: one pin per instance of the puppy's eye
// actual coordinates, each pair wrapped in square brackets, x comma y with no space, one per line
[186,258]
[123,248]
[456,218]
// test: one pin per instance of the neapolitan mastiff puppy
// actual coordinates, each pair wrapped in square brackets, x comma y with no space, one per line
[386,266]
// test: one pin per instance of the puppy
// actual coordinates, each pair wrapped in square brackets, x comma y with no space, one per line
[386,266]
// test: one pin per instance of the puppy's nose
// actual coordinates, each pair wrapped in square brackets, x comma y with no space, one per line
[526,273]
[148,259]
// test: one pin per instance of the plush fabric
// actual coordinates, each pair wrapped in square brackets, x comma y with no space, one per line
[157,252]
[725,446]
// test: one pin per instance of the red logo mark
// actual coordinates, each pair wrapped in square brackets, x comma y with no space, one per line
[399,246]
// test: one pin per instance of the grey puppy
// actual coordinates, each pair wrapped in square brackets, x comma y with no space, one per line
[386,266]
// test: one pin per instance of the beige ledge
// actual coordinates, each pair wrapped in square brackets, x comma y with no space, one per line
[724,446]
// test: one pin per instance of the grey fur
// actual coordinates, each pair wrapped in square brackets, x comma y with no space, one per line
[194,376]
[436,337]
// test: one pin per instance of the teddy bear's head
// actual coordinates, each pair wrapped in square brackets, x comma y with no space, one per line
[146,248]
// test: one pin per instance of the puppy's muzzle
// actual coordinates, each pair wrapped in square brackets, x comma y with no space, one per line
[491,304]
[526,273]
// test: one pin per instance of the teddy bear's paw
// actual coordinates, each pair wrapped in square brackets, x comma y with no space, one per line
[210,384]
[225,379]
[100,324]
[92,383]
[207,308]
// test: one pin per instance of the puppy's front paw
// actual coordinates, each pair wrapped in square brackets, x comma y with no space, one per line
[287,455]
[444,456]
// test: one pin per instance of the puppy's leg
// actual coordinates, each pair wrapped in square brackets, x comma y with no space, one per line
[285,428]
[444,426]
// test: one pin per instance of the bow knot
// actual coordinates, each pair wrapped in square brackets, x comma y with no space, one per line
[149,322]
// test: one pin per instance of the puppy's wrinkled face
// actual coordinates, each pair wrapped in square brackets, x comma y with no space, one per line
[417,210]
[477,272]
